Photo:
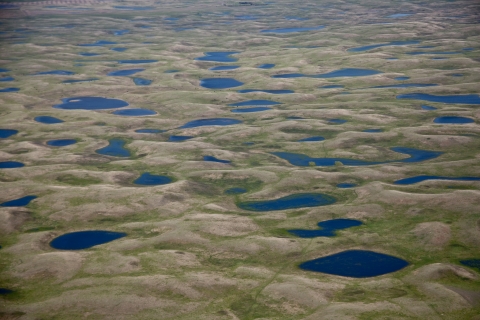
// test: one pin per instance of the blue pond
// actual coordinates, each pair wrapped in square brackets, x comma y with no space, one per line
[179,138]
[9,89]
[372,130]
[149,131]
[56,72]
[453,120]
[115,148]
[328,228]
[124,73]
[298,159]
[407,85]
[76,81]
[213,159]
[218,56]
[6,79]
[20,202]
[89,54]
[355,264]
[147,179]
[6,133]
[136,61]
[142,82]
[119,49]
[249,110]
[233,191]
[401,78]
[460,99]
[5,290]
[47,120]
[346,185]
[266,91]
[266,66]
[90,103]
[84,239]
[416,53]
[171,71]
[99,43]
[374,46]
[472,263]
[348,72]
[456,74]
[134,112]
[289,75]
[120,32]
[418,179]
[316,138]
[429,108]
[4,70]
[294,201]
[224,68]
[399,15]
[210,122]
[61,142]
[337,121]
[254,103]
[220,83]
[290,30]
[332,86]
[10,164]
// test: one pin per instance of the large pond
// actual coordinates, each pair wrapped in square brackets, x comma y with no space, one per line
[254,103]
[294,201]
[134,112]
[453,120]
[213,159]
[10,164]
[280,91]
[355,264]
[61,142]
[218,56]
[328,228]
[421,178]
[9,89]
[115,148]
[290,30]
[210,122]
[124,73]
[20,202]
[219,83]
[84,239]
[47,120]
[6,133]
[90,103]
[76,81]
[378,45]
[249,110]
[147,179]
[416,155]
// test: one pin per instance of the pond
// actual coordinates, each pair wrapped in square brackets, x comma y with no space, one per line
[90,103]
[249,110]
[378,45]
[332,86]
[84,239]
[218,56]
[124,73]
[213,159]
[76,81]
[290,30]
[119,49]
[267,91]
[328,228]
[47,120]
[88,54]
[6,79]
[355,264]
[136,61]
[346,185]
[61,142]
[422,178]
[266,66]
[294,201]
[337,121]
[56,72]
[348,72]
[453,120]
[223,68]
[120,32]
[219,83]
[401,78]
[179,138]
[4,291]
[472,263]
[149,131]
[20,202]
[416,155]
[407,85]
[10,164]
[147,179]
[372,130]
[416,53]
[4,70]
[6,133]
[311,139]
[399,15]
[99,43]
[235,190]
[289,75]
[429,108]
[134,112]
[210,122]
[254,103]
[9,89]
[459,98]
[115,148]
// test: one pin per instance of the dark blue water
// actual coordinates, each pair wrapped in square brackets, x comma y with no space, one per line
[56,72]
[266,91]
[456,74]
[328,228]
[289,75]
[218,56]
[467,49]
[115,148]
[179,138]
[407,85]
[84,239]
[223,68]
[418,179]
[149,131]
[439,58]
[233,191]
[472,263]
[134,112]
[135,8]
[4,70]
[147,179]
[415,53]
[213,159]
[124,73]
[20,202]
[460,98]
[401,78]
[346,185]
[10,164]
[220,83]
[6,133]
[348,72]
[6,79]
[89,54]
[249,143]
[290,30]
[266,66]
[90,103]
[316,138]
[47,120]
[254,103]
[429,108]
[453,120]
[392,59]
[9,89]
[61,142]
[399,15]
[372,130]
[171,71]
[120,32]
[416,155]
[355,264]
[4,291]
[119,49]
[136,61]
[249,110]
[210,122]
[337,121]
[332,86]
[76,81]
[374,46]
[142,82]
[295,118]
[294,201]
[99,43]
[246,17]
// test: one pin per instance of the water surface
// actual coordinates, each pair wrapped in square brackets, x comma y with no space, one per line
[254,103]
[399,15]
[134,112]
[84,239]
[348,72]
[460,98]
[6,79]
[120,32]
[472,263]
[142,82]
[99,43]
[124,73]
[235,190]
[266,66]
[56,72]
[47,120]
[10,164]
[213,159]
[401,78]
[179,138]
[249,110]
[115,148]
[4,291]
[267,91]
[378,45]
[76,81]
[407,85]
[90,103]
[453,120]
[218,56]
[210,122]
[61,142]
[372,130]
[223,68]
[294,201]
[310,139]
[20,202]
[328,228]
[9,89]
[429,108]
[346,185]
[119,49]
[422,178]
[147,179]
[332,86]
[219,83]
[337,121]
[6,133]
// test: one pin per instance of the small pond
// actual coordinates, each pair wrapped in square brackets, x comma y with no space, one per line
[374,46]
[346,185]
[235,190]
[223,68]
[147,179]
[453,120]
[210,122]
[149,131]
[179,138]
[84,239]
[399,15]
[254,103]
[311,139]
[220,83]
[332,86]
[47,120]
[294,201]
[9,89]
[249,110]
[134,112]
[99,43]
[429,108]
[460,98]
[90,103]
[401,78]
[89,54]
[124,73]
[336,121]
[218,56]
[115,148]
[422,178]
[266,66]
[61,142]
[76,81]
[6,79]
[472,263]
[120,32]
[407,85]
[328,228]
[267,91]
[6,133]
[20,202]
[10,164]
[4,291]
[416,53]
[213,159]
[372,130]
[348,72]
[119,49]
[56,72]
